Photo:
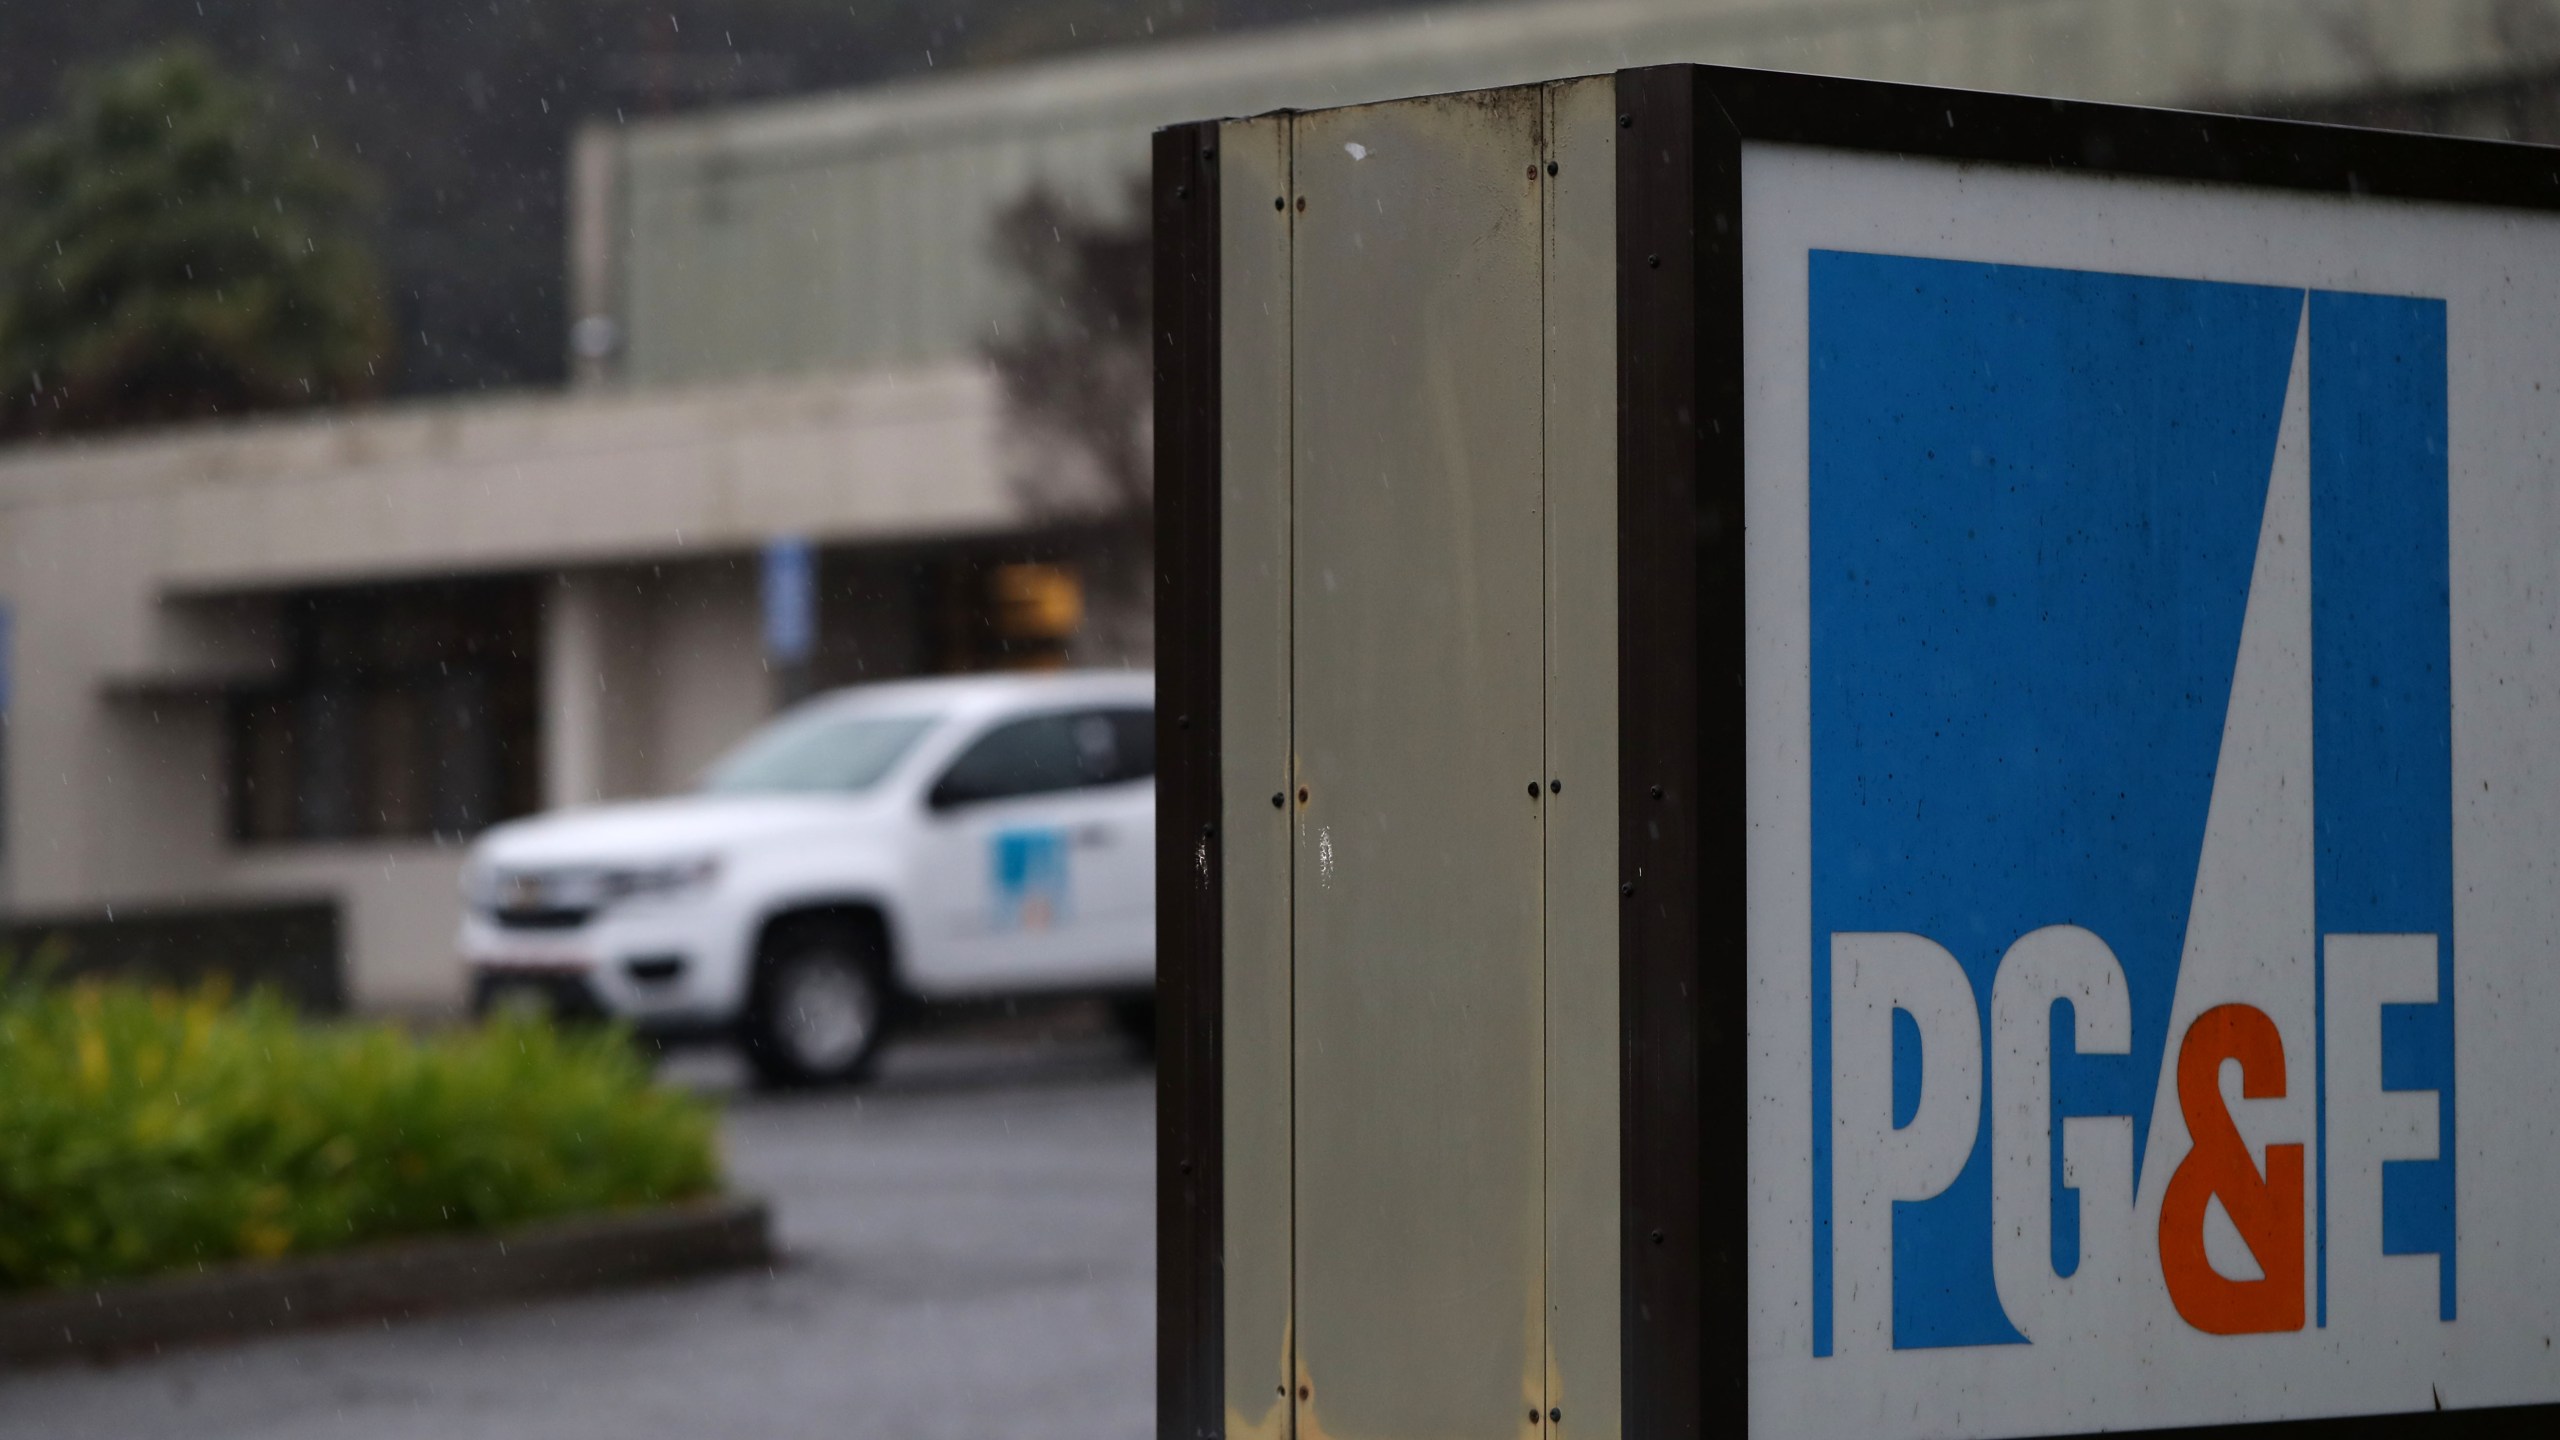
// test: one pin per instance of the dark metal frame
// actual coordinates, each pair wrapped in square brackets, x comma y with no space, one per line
[1683,838]
[1190,1193]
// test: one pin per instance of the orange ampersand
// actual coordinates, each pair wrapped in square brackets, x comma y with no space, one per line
[2266,1211]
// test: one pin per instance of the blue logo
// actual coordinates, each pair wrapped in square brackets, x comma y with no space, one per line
[2044,509]
[1029,868]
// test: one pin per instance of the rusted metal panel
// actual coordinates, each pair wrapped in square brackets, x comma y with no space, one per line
[1255,769]
[1419,678]
[1582,759]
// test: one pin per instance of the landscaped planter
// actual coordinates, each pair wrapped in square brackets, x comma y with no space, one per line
[388,1280]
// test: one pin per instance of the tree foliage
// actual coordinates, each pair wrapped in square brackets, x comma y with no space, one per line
[1077,372]
[468,110]
[170,250]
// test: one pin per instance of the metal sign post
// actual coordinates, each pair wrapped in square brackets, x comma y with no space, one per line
[1845,760]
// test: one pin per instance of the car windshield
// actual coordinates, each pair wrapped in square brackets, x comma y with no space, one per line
[829,752]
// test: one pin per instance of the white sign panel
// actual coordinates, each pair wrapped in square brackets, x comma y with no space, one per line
[2154,725]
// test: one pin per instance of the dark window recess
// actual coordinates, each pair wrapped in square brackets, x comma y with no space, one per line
[404,712]
[1043,754]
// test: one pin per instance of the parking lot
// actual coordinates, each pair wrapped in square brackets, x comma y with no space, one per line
[968,1253]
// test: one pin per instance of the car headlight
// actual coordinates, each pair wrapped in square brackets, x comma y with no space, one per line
[673,878]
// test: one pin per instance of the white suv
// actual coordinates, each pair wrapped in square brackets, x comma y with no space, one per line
[981,838]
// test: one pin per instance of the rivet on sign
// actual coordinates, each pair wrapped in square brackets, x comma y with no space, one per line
[1551,167]
[1181,722]
[1278,800]
[1280,202]
[1302,794]
[1533,789]
[1302,204]
[1533,1414]
[1209,155]
[1181,192]
[1555,1415]
[1626,887]
[1302,1392]
[1653,262]
[1186,1167]
[1555,787]
[1657,792]
[1626,122]
[1533,172]
[1210,829]
[1657,1237]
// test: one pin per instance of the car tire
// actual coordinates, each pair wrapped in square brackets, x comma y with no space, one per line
[820,1006]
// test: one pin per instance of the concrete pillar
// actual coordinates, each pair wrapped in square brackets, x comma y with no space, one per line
[573,664]
[595,246]
[712,684]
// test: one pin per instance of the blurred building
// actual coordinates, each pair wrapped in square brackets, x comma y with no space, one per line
[256,670]
[855,230]
[292,665]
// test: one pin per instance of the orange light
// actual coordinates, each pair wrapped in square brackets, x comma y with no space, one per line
[1036,602]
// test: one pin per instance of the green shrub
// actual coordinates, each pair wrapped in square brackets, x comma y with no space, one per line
[147,1131]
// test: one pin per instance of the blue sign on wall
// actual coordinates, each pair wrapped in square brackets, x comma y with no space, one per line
[790,598]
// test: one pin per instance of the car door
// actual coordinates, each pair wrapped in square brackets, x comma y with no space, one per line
[1022,873]
[1112,874]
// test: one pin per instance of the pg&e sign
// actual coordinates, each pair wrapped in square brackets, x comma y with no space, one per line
[2149,695]
[2151,784]
[2068,597]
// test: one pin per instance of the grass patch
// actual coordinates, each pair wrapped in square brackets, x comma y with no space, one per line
[145,1131]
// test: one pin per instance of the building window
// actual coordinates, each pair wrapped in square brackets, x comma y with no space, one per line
[400,712]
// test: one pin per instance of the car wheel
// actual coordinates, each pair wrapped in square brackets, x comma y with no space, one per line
[820,1008]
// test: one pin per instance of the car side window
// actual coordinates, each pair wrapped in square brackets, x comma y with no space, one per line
[1044,754]
[1133,737]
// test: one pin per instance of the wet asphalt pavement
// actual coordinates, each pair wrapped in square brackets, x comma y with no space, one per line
[969,1254]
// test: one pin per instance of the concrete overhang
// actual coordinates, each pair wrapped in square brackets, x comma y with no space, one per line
[535,483]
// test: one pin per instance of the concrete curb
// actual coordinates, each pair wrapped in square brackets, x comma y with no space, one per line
[398,1278]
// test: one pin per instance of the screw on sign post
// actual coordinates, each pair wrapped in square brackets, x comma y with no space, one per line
[2048,931]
